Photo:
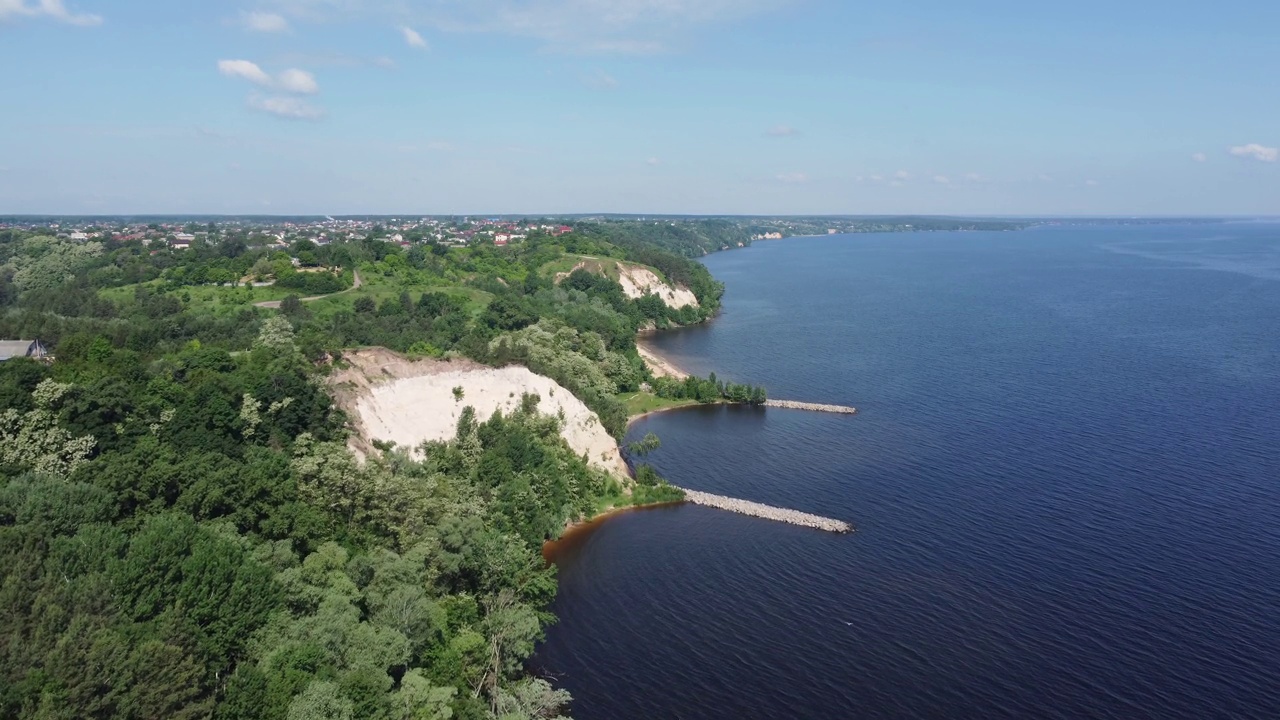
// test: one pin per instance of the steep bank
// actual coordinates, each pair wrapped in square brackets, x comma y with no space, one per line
[636,281]
[391,398]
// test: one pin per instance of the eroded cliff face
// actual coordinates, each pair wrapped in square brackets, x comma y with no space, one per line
[637,281]
[389,397]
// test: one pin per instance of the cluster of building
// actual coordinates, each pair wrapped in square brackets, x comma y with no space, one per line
[283,232]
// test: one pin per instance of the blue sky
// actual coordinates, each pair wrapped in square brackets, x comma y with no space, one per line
[646,106]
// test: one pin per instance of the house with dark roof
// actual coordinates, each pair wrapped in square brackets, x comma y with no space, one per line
[10,349]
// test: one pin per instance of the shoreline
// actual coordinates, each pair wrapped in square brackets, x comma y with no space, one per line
[693,404]
[659,365]
[662,366]
[575,531]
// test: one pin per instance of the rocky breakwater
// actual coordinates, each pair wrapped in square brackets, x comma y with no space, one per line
[815,407]
[768,512]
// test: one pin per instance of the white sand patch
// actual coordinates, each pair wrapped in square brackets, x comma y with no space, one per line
[636,281]
[414,403]
[658,365]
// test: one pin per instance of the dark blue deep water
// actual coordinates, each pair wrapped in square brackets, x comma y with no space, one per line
[1065,477]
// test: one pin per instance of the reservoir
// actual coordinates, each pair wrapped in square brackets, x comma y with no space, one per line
[1064,475]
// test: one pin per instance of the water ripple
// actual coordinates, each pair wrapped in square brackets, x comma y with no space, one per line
[1063,480]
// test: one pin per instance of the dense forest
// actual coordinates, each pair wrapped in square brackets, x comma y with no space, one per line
[183,531]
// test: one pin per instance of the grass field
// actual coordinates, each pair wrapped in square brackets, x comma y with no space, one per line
[218,299]
[600,266]
[639,403]
[382,288]
[211,297]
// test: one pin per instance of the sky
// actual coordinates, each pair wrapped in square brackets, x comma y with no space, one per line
[981,107]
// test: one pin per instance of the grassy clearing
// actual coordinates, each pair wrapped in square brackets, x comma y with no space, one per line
[565,264]
[639,403]
[561,264]
[382,289]
[640,496]
[212,298]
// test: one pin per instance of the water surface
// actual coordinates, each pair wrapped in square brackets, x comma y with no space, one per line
[1064,476]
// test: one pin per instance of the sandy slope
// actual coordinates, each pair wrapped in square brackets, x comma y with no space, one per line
[637,280]
[390,397]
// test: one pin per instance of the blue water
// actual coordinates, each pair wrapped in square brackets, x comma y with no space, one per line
[1065,478]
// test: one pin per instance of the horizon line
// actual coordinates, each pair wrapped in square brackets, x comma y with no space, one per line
[585,215]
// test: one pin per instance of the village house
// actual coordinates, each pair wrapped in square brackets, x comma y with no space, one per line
[34,349]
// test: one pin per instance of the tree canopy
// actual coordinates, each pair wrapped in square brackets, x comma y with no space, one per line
[183,531]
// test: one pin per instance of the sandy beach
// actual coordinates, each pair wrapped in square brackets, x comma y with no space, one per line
[658,365]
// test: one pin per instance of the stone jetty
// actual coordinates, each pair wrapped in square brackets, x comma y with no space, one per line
[815,407]
[768,512]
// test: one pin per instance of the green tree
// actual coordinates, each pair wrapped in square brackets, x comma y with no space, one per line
[418,699]
[321,700]
[34,440]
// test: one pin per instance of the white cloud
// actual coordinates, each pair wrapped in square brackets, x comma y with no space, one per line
[600,80]
[633,27]
[942,179]
[290,108]
[877,178]
[1044,178]
[297,81]
[412,37]
[792,178]
[1199,157]
[896,183]
[264,22]
[292,80]
[336,59]
[973,177]
[781,131]
[1255,151]
[1091,183]
[55,9]
[653,161]
[244,69]
[902,175]
[621,47]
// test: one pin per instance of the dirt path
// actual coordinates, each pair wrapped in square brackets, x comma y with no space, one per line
[276,303]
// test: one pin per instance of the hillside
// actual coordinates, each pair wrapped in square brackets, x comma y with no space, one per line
[636,280]
[391,398]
